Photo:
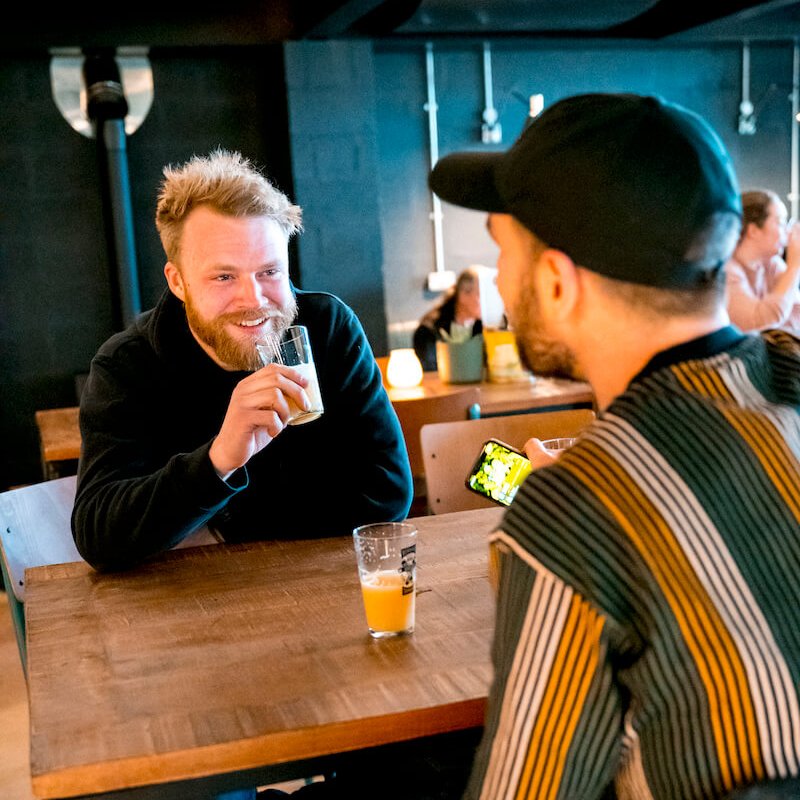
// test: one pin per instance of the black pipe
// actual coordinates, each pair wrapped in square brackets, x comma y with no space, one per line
[107,108]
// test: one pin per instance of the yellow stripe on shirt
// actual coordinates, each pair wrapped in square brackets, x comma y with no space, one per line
[570,678]
[731,710]
[759,432]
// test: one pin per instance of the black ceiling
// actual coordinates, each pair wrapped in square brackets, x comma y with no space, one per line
[637,19]
[155,23]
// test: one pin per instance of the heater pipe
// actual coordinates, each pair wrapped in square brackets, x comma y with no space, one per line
[106,109]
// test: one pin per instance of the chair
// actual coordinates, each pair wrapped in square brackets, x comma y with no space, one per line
[383,366]
[418,411]
[449,450]
[415,412]
[34,530]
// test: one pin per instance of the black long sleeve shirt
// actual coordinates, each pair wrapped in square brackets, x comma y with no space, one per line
[154,401]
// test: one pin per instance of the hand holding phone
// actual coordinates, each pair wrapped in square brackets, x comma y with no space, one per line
[498,472]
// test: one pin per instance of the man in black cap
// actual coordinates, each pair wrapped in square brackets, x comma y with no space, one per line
[647,635]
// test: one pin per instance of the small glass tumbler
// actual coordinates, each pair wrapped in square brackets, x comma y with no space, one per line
[557,445]
[294,351]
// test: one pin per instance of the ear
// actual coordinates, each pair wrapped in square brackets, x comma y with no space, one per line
[175,281]
[558,283]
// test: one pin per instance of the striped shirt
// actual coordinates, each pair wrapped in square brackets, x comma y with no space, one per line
[648,616]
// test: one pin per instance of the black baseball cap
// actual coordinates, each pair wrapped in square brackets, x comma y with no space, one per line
[621,183]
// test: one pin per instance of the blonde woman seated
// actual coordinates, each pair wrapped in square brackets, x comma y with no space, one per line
[762,288]
[461,304]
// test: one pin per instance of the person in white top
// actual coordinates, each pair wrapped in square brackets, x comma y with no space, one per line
[762,288]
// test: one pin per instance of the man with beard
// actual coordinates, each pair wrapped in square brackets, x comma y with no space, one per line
[647,637]
[181,424]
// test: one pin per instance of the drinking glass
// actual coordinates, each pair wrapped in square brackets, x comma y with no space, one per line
[386,553]
[294,351]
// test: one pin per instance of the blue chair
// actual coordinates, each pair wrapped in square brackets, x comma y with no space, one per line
[34,530]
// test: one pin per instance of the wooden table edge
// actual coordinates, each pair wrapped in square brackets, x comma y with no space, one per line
[282,748]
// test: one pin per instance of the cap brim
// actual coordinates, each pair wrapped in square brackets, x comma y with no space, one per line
[468,180]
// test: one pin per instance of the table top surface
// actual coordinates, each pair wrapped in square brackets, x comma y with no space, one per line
[504,398]
[224,658]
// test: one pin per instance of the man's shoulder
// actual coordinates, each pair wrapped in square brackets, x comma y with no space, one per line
[756,371]
[316,302]
[323,311]
[132,339]
[147,346]
[784,345]
[148,334]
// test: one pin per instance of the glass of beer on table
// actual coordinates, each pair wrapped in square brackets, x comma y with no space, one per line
[386,553]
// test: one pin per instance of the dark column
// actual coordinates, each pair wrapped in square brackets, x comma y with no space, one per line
[107,108]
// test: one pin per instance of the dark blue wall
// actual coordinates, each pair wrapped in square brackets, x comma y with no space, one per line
[332,120]
[705,78]
[349,142]
[55,302]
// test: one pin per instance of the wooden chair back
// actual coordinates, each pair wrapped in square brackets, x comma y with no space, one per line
[383,366]
[416,412]
[449,450]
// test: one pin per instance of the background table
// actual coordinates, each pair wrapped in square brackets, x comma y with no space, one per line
[59,440]
[538,395]
[235,658]
[506,398]
[60,436]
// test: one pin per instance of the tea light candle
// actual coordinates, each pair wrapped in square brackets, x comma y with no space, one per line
[404,370]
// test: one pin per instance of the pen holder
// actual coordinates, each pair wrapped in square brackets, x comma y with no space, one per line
[460,362]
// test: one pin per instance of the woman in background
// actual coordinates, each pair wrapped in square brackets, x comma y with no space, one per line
[461,304]
[763,288]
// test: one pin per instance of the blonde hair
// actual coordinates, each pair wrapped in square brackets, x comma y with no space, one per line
[226,182]
[466,280]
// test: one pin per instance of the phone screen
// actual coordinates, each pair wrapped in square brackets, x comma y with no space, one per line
[498,472]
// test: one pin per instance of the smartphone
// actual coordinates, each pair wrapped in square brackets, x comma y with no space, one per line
[498,472]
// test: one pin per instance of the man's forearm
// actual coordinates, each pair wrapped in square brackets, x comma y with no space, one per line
[120,521]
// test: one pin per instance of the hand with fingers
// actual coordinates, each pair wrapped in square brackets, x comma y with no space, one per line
[538,454]
[257,412]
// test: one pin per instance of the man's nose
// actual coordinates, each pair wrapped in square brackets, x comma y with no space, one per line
[250,294]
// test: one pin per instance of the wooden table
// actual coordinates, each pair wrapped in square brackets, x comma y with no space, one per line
[231,663]
[537,394]
[59,439]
